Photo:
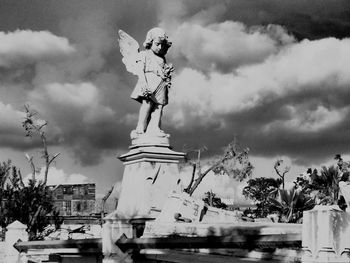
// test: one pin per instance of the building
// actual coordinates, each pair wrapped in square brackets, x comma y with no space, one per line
[74,199]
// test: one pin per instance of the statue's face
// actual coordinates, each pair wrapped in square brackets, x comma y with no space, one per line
[159,47]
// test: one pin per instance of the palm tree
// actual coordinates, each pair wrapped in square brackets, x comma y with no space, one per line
[327,183]
[291,204]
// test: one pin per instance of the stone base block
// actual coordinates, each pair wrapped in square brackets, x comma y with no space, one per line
[150,175]
[326,235]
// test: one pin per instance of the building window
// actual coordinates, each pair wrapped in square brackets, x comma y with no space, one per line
[78,207]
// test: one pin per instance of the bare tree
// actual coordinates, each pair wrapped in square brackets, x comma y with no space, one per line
[233,162]
[104,200]
[283,172]
[34,125]
[196,164]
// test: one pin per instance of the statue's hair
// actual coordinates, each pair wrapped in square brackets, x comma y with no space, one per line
[154,33]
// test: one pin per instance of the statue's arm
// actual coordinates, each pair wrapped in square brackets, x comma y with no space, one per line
[141,65]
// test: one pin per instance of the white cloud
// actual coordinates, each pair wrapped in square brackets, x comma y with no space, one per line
[11,118]
[308,120]
[81,102]
[314,66]
[227,45]
[26,46]
[59,176]
[318,62]
[77,113]
[11,131]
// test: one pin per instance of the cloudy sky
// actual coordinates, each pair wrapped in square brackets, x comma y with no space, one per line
[273,73]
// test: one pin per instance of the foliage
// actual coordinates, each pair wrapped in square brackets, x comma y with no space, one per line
[212,200]
[303,182]
[324,185]
[328,183]
[233,162]
[28,204]
[290,204]
[259,190]
[4,172]
[342,165]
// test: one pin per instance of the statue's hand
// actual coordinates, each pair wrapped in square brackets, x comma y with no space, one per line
[145,90]
[168,69]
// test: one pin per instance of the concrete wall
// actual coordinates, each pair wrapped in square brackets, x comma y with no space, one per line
[2,251]
[326,235]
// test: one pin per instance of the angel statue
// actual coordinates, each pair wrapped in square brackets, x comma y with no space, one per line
[154,78]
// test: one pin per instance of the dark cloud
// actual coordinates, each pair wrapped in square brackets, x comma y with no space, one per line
[312,19]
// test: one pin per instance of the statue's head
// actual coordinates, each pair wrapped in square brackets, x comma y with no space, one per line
[157,41]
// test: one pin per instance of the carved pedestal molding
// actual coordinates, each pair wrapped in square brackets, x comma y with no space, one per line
[326,235]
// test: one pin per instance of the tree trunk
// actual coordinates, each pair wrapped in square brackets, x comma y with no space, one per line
[187,189]
[199,179]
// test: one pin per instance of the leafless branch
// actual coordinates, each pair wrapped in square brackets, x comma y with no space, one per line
[33,125]
[32,165]
[279,173]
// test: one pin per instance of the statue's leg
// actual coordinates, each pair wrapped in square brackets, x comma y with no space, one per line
[143,116]
[156,119]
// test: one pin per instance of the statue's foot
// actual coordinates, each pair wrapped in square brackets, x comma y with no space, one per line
[139,131]
[136,133]
[159,133]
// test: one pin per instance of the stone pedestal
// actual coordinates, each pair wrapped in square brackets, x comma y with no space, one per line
[326,235]
[15,231]
[151,173]
[112,229]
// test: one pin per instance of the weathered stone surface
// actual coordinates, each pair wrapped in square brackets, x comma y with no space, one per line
[163,229]
[181,203]
[326,235]
[194,209]
[150,175]
[150,139]
[344,188]
[216,215]
[15,231]
[112,229]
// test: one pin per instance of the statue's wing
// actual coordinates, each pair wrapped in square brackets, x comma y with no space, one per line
[129,48]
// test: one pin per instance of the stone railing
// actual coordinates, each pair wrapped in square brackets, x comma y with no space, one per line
[17,248]
[324,236]
[78,250]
